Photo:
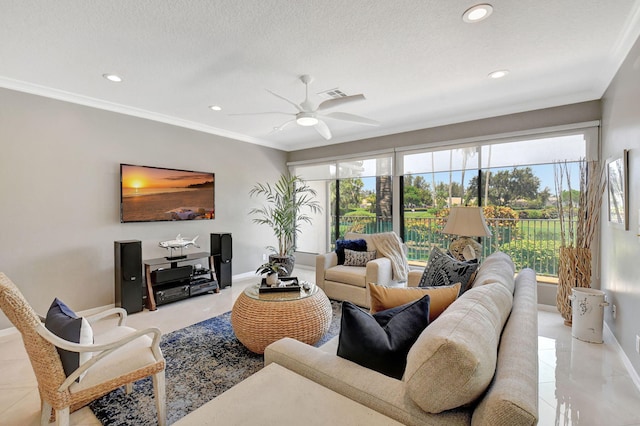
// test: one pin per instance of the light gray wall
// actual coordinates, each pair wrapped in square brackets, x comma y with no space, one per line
[59,189]
[621,249]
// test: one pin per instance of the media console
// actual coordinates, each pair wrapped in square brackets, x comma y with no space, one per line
[169,280]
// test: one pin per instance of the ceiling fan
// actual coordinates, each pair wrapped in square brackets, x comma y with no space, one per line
[311,115]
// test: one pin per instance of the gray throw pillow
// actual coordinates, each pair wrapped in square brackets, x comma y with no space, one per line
[443,269]
[358,258]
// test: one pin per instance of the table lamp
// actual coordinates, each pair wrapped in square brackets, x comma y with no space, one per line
[466,222]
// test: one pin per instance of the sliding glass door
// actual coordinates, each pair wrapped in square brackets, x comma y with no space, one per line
[357,196]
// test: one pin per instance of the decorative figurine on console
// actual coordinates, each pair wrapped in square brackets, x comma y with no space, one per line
[178,243]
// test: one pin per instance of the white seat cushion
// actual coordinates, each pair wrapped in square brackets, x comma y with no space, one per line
[132,356]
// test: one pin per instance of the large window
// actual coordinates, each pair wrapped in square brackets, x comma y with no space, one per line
[512,177]
[356,194]
[514,182]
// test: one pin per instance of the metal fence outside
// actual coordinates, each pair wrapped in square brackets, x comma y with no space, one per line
[531,243]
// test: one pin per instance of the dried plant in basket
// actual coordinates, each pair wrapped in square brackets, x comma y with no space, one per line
[579,221]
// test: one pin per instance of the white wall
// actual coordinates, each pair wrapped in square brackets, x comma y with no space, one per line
[59,191]
[620,248]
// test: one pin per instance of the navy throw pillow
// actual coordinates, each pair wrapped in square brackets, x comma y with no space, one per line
[355,245]
[382,341]
[64,323]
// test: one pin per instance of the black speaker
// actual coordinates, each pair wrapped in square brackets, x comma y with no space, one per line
[222,251]
[221,246]
[128,275]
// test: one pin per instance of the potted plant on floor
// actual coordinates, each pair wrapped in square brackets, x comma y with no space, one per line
[272,270]
[288,204]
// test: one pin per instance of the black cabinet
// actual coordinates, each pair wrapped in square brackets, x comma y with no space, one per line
[169,280]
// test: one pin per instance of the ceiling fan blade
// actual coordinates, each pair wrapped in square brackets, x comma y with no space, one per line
[352,118]
[323,129]
[286,100]
[331,103]
[282,126]
[263,113]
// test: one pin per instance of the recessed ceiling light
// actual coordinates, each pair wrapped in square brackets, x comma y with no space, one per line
[113,77]
[498,74]
[477,13]
[215,107]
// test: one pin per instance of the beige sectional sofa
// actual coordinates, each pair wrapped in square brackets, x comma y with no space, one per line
[477,363]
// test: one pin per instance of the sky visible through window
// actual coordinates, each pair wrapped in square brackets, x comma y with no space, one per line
[544,172]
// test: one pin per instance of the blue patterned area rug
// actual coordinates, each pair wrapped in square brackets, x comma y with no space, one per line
[203,360]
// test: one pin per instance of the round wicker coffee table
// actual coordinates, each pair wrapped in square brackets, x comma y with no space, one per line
[259,319]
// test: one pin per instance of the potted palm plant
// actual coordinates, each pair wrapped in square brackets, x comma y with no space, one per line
[288,204]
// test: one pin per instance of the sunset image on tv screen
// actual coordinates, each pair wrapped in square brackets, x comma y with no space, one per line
[157,194]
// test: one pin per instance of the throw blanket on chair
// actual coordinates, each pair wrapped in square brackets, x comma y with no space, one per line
[389,245]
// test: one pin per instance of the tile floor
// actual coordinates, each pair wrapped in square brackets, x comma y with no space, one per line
[580,383]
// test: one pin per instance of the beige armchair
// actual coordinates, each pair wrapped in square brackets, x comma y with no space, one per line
[341,282]
[121,356]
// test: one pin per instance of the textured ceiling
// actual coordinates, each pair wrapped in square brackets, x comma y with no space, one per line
[418,64]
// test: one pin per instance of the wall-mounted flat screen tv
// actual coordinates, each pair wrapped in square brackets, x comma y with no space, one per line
[151,194]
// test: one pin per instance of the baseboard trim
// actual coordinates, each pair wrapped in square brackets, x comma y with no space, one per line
[547,308]
[6,332]
[623,356]
[244,276]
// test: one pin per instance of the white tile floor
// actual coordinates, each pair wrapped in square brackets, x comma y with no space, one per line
[580,383]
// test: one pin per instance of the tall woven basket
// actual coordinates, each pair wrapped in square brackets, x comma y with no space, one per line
[574,271]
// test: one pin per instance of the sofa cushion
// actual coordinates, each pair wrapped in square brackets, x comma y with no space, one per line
[381,341]
[383,297]
[352,275]
[512,397]
[453,361]
[443,269]
[355,244]
[64,323]
[358,258]
[496,268]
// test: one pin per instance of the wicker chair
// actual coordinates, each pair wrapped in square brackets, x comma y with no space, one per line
[121,355]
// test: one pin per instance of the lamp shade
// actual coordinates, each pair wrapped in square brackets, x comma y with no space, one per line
[467,222]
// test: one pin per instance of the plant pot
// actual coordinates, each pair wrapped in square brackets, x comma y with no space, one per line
[272,280]
[287,261]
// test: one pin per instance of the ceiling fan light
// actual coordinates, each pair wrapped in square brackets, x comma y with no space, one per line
[305,119]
